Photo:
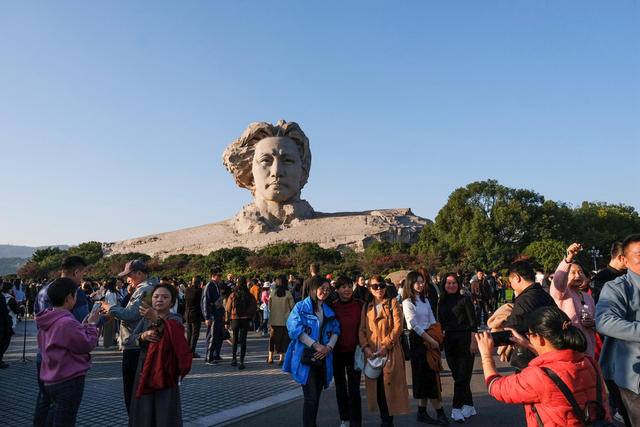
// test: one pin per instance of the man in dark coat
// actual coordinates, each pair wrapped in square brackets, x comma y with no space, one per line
[5,328]
[193,312]
[213,312]
[530,297]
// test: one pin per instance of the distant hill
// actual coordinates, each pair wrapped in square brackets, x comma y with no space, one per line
[11,265]
[12,251]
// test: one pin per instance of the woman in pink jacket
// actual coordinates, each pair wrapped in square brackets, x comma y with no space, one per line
[560,347]
[578,305]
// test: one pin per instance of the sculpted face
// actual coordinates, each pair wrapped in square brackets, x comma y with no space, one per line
[277,169]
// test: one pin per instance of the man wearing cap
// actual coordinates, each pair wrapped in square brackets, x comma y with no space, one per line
[213,312]
[129,316]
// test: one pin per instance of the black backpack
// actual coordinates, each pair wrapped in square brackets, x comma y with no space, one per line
[585,416]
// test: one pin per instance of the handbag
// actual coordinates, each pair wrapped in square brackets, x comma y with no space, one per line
[309,359]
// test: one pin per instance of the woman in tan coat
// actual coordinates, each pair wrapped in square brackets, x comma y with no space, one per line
[380,329]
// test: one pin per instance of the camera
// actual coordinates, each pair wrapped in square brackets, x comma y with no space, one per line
[501,338]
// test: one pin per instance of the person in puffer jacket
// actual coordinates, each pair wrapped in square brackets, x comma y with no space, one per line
[560,347]
[65,345]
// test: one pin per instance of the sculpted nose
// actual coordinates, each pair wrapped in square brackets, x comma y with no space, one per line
[277,169]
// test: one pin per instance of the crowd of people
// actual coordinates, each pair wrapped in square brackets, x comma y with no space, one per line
[573,337]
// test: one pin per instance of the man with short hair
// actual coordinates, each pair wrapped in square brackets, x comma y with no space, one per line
[129,316]
[530,296]
[193,312]
[615,268]
[361,292]
[314,269]
[213,311]
[618,318]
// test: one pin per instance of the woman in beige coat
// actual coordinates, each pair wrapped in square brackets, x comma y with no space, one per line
[380,329]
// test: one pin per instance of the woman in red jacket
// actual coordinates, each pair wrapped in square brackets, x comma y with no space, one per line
[560,347]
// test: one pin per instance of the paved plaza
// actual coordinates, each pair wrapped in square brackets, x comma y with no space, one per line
[215,395]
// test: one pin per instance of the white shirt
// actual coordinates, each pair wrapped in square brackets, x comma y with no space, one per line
[418,316]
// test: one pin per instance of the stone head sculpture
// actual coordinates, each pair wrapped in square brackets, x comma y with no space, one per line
[273,162]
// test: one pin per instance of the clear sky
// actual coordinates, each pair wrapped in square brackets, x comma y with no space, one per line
[114,115]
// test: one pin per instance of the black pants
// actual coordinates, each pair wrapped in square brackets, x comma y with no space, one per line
[129,366]
[193,331]
[239,328]
[311,391]
[5,340]
[65,400]
[382,401]
[42,402]
[349,403]
[214,337]
[460,361]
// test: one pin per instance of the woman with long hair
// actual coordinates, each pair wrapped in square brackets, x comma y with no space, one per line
[379,335]
[280,305]
[457,317]
[419,318]
[560,347]
[241,308]
[430,290]
[566,290]
[314,331]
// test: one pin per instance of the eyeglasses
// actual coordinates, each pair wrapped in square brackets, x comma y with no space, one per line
[376,286]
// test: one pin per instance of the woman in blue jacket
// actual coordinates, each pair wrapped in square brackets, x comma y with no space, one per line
[312,325]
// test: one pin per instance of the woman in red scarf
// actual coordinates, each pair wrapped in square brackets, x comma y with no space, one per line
[165,358]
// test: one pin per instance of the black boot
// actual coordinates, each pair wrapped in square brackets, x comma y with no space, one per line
[241,365]
[423,417]
[234,362]
[442,418]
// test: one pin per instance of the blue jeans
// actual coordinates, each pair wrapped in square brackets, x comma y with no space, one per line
[65,400]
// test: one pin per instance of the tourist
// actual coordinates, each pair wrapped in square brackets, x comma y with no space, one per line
[241,307]
[618,319]
[578,305]
[193,312]
[12,304]
[213,312]
[381,324]
[430,290]
[614,269]
[314,331]
[280,305]
[111,298]
[360,291]
[530,296]
[559,347]
[137,277]
[425,376]
[296,291]
[264,306]
[255,289]
[65,345]
[347,380]
[6,330]
[165,359]
[458,321]
[314,270]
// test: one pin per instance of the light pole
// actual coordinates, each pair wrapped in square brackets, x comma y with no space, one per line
[595,253]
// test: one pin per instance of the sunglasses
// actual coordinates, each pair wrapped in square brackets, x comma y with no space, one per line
[376,286]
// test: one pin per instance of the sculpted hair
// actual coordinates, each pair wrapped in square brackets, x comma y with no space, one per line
[523,268]
[73,262]
[238,157]
[632,238]
[555,326]
[59,289]
[407,290]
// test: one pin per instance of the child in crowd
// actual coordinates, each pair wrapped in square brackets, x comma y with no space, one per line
[65,344]
[347,310]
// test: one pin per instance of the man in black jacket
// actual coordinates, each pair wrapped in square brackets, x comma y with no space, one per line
[193,312]
[530,296]
[615,268]
[6,330]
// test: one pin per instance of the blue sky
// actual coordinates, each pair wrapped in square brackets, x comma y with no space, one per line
[114,115]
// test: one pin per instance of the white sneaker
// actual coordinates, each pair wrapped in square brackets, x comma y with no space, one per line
[456,415]
[468,411]
[618,417]
[344,423]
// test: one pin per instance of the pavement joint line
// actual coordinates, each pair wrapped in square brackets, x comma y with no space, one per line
[237,413]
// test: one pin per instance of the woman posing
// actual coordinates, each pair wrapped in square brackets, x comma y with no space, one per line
[160,335]
[313,330]
[560,348]
[379,336]
[419,318]
[578,305]
[241,309]
[458,320]
[280,306]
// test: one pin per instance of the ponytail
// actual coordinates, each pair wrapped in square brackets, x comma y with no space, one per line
[555,326]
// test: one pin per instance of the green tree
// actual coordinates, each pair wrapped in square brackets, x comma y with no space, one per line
[546,254]
[91,252]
